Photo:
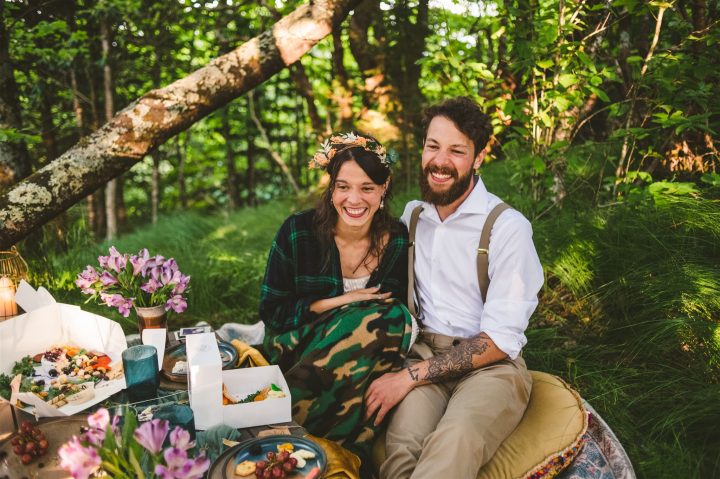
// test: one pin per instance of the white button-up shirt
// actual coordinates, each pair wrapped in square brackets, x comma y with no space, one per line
[446,271]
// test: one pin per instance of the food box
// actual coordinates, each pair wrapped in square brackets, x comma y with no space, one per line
[62,325]
[204,379]
[243,382]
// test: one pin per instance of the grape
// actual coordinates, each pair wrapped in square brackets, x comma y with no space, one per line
[29,447]
[293,461]
[18,450]
[42,443]
[277,471]
[284,456]
[26,458]
[287,466]
[270,455]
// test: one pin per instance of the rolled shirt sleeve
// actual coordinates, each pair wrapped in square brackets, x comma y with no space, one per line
[516,276]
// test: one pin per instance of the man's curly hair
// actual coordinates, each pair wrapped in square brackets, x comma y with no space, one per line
[467,117]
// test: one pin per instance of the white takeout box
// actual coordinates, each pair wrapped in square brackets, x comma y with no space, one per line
[57,324]
[204,379]
[241,382]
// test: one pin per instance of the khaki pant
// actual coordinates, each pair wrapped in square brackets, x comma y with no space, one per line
[451,429]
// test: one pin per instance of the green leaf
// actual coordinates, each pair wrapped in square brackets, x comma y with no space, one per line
[712,179]
[567,79]
[538,165]
[136,466]
[634,59]
[545,118]
[662,188]
[601,94]
[544,64]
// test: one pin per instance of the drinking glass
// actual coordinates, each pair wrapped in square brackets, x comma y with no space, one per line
[141,372]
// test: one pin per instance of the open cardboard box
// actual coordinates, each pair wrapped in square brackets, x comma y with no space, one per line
[242,382]
[56,324]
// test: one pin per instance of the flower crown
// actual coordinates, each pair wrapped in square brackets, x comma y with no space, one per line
[330,148]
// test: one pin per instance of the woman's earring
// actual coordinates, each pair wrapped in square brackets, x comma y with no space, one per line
[382,203]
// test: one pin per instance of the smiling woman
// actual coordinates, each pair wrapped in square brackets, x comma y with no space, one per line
[332,295]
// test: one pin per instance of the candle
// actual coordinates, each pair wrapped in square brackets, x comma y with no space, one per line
[7,298]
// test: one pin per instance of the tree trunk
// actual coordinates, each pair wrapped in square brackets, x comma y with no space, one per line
[111,188]
[302,82]
[342,95]
[266,139]
[14,158]
[182,157]
[250,173]
[232,181]
[161,114]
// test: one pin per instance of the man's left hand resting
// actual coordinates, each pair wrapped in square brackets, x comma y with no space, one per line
[389,389]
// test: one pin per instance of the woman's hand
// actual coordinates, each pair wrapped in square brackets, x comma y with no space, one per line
[365,294]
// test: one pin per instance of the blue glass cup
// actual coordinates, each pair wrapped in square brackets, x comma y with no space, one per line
[141,372]
[177,415]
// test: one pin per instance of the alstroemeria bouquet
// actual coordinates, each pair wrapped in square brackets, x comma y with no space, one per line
[141,280]
[131,451]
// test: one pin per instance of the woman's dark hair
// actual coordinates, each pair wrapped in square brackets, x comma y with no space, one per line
[325,214]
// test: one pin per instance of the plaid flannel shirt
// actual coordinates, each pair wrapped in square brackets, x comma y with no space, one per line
[294,278]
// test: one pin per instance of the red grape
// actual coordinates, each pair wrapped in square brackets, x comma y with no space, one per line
[26,459]
[271,456]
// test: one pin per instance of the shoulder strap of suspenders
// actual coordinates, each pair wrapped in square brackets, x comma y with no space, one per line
[482,256]
[483,262]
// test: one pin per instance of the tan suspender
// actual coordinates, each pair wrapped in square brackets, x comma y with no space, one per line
[482,255]
[483,262]
[411,263]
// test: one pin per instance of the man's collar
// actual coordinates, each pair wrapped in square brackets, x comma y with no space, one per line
[475,203]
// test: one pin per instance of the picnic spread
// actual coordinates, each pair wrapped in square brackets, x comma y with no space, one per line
[230,409]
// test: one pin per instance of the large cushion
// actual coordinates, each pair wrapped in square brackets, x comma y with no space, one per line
[547,439]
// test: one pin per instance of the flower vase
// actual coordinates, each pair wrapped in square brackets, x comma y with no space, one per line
[153,317]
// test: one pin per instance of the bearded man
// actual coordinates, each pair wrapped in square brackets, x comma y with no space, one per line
[454,406]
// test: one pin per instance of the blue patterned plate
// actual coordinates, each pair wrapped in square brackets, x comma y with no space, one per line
[256,450]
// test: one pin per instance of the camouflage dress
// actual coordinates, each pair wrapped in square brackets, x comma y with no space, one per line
[329,360]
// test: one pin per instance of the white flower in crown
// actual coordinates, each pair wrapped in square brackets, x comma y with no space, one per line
[341,141]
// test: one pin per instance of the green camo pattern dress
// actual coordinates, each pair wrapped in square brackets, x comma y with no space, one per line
[329,360]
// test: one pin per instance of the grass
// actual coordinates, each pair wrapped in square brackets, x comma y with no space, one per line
[629,314]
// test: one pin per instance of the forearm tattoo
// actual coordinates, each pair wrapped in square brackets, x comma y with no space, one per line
[457,361]
[413,371]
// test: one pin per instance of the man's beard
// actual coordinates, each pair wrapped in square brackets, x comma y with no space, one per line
[443,198]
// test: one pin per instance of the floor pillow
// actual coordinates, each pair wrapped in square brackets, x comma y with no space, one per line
[545,442]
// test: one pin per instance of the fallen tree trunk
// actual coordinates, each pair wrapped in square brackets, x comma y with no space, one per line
[159,115]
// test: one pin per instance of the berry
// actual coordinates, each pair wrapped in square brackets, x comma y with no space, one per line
[26,459]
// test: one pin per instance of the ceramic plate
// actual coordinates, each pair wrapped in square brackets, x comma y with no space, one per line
[57,431]
[228,354]
[256,449]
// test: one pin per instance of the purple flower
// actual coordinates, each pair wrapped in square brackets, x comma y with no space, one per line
[117,301]
[153,263]
[177,303]
[107,279]
[78,460]
[151,435]
[180,439]
[180,467]
[87,279]
[181,285]
[95,434]
[139,261]
[151,286]
[116,261]
[100,419]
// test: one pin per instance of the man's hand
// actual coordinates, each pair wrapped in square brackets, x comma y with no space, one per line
[386,392]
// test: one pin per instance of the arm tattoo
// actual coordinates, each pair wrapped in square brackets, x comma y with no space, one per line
[413,372]
[457,361]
